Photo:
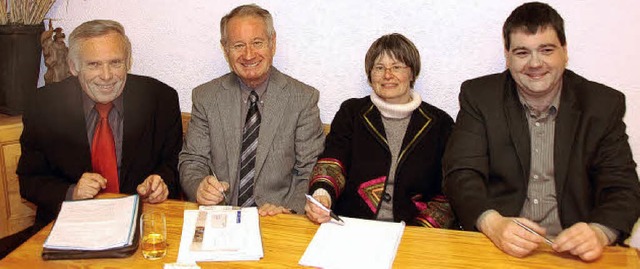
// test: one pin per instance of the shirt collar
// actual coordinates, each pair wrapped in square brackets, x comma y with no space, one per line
[260,89]
[552,110]
[88,104]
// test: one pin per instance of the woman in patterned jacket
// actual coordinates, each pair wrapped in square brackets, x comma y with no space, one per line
[382,157]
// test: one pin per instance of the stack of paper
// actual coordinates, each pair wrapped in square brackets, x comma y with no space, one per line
[358,244]
[97,224]
[220,234]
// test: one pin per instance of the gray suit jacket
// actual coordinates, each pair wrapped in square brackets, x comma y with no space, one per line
[289,142]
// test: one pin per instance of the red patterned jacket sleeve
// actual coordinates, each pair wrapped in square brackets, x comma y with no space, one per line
[328,174]
[435,213]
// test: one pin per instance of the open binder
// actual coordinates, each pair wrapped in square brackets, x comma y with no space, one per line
[60,246]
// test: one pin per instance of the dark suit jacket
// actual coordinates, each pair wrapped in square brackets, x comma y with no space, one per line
[358,143]
[487,160]
[55,149]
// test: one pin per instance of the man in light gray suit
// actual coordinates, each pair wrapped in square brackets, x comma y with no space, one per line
[255,133]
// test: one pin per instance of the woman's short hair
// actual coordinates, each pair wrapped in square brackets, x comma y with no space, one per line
[398,47]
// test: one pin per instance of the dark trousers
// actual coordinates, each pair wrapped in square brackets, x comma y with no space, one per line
[13,241]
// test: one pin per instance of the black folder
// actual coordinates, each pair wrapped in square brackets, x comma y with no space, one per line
[118,252]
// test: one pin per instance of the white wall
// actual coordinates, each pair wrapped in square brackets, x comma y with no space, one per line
[323,42]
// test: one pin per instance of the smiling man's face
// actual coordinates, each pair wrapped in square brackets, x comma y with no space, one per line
[102,67]
[249,49]
[537,61]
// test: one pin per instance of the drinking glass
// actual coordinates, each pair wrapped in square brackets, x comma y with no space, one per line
[153,229]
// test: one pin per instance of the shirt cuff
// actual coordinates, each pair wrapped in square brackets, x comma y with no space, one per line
[612,234]
[322,192]
[482,217]
[69,196]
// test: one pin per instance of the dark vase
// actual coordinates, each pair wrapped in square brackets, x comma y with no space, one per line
[20,56]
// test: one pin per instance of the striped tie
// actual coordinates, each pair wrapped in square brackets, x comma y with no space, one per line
[248,157]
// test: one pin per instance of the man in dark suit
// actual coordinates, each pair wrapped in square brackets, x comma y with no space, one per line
[64,156]
[541,145]
[255,133]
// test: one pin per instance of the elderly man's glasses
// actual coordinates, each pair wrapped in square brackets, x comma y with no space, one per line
[256,45]
[395,69]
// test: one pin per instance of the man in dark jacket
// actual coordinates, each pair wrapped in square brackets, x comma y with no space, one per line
[541,145]
[101,130]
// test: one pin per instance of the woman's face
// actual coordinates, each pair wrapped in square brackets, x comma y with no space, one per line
[391,79]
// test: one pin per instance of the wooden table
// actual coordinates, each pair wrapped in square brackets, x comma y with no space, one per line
[285,237]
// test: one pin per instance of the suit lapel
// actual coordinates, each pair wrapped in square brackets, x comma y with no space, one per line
[275,102]
[137,116]
[518,127]
[229,109]
[73,125]
[566,127]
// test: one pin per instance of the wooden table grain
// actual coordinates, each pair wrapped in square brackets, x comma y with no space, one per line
[285,237]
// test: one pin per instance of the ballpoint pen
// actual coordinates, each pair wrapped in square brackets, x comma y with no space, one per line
[547,240]
[321,206]
[224,197]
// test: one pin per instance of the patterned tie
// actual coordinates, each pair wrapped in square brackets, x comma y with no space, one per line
[103,150]
[248,157]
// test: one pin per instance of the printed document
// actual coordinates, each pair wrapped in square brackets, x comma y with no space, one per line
[95,224]
[220,233]
[356,244]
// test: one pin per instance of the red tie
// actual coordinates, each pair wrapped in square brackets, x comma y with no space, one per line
[103,150]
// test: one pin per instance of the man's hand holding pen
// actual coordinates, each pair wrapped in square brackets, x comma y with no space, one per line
[510,237]
[519,237]
[586,241]
[211,191]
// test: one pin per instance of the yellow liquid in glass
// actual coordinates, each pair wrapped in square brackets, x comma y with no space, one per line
[154,246]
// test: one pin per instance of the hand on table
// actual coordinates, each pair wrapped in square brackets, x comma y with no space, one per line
[272,210]
[153,189]
[509,236]
[88,186]
[583,240]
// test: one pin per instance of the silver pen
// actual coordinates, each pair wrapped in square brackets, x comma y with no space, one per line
[546,240]
[321,206]
[224,195]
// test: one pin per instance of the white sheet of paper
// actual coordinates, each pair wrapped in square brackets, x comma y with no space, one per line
[233,242]
[358,244]
[95,224]
[635,236]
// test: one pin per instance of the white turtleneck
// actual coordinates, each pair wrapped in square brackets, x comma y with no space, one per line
[397,111]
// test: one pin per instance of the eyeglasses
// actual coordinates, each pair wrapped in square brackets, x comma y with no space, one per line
[380,70]
[256,45]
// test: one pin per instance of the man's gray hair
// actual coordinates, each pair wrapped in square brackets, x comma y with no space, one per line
[246,10]
[92,29]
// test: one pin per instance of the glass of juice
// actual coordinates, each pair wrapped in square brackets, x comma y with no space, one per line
[153,230]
